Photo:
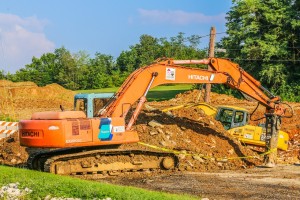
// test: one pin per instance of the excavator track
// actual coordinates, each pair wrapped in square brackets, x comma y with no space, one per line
[102,162]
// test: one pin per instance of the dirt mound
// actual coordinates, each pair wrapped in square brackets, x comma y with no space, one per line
[11,153]
[20,100]
[289,125]
[202,142]
[9,84]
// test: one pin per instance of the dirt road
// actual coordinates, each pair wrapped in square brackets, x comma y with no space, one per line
[282,182]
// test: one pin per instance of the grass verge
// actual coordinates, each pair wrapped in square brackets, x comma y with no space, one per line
[44,184]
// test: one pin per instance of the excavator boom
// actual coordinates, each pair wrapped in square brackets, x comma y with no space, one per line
[169,71]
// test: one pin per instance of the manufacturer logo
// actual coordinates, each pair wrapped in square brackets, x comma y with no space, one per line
[31,133]
[198,77]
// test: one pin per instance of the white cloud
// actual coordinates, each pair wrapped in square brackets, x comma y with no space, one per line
[179,17]
[20,40]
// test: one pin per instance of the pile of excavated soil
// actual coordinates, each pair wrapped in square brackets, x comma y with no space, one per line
[11,153]
[201,140]
[20,100]
[289,125]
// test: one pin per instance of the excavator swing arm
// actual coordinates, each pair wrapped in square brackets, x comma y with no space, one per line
[169,71]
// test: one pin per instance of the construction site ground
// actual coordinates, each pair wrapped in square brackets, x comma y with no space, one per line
[203,144]
[282,182]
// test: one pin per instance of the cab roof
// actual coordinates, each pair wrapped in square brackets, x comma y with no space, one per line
[233,107]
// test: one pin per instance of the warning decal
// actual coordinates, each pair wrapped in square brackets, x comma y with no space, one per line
[75,128]
[170,74]
[85,125]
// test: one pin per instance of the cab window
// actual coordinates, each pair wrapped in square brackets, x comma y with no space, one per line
[226,115]
[98,104]
[239,117]
[81,105]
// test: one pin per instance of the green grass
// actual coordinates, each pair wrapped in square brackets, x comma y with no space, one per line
[43,184]
[158,93]
[6,118]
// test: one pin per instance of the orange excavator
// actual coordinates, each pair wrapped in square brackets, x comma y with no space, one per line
[74,144]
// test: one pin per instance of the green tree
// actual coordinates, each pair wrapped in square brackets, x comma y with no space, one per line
[82,60]
[2,75]
[150,49]
[141,54]
[261,37]
[79,71]
[39,71]
[101,70]
[67,72]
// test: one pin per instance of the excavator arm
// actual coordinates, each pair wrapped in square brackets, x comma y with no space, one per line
[171,71]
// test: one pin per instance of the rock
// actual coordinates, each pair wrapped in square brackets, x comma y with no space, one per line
[198,158]
[154,124]
[11,191]
[169,114]
[169,133]
[187,140]
[213,140]
[27,190]
[163,143]
[231,151]
[183,128]
[153,133]
[149,108]
[190,164]
[182,155]
[160,130]
[48,197]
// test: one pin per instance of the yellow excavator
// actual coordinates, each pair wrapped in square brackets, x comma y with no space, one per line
[236,121]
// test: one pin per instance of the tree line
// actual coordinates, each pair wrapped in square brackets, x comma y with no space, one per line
[79,71]
[263,37]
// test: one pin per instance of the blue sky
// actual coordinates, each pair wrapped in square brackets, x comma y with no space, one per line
[32,27]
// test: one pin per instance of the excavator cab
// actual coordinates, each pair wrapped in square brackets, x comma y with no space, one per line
[232,117]
[91,103]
